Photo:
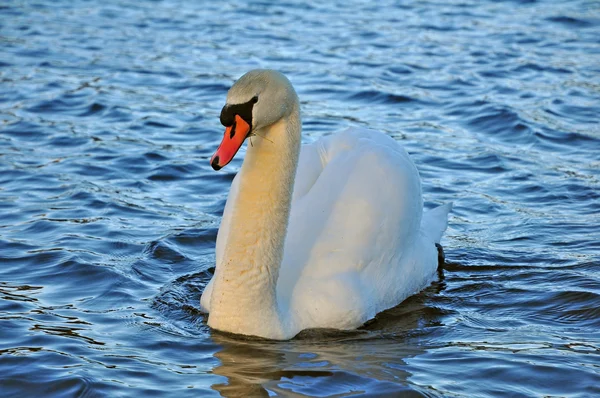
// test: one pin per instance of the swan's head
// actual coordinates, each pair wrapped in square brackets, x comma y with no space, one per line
[257,100]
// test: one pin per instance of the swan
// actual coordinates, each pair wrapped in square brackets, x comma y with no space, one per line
[323,235]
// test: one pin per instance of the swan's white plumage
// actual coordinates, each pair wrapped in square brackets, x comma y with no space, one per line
[357,241]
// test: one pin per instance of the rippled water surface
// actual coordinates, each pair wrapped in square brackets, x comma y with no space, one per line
[109,208]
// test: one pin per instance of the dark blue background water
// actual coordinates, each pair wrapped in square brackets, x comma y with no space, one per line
[109,208]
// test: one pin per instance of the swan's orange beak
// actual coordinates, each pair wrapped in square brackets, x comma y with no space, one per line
[232,141]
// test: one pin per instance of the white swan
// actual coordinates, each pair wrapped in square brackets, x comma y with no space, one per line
[323,236]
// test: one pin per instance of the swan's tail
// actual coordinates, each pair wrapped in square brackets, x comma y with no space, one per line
[435,221]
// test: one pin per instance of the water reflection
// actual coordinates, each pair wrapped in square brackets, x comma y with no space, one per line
[327,362]
[251,367]
[329,366]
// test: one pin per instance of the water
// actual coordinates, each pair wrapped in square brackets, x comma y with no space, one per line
[109,208]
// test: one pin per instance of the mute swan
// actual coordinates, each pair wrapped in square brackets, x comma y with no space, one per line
[320,236]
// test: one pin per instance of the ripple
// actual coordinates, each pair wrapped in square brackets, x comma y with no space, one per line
[93,109]
[571,22]
[379,97]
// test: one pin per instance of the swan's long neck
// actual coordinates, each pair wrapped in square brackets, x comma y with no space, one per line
[244,297]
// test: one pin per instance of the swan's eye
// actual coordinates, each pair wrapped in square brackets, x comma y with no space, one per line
[254,99]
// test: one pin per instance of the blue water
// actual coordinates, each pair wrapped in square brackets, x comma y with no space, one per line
[109,207]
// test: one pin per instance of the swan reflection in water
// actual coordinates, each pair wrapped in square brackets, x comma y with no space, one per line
[330,362]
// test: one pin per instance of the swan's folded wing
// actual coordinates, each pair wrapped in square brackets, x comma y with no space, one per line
[310,167]
[357,214]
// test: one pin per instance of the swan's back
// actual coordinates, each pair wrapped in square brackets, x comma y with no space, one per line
[355,245]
